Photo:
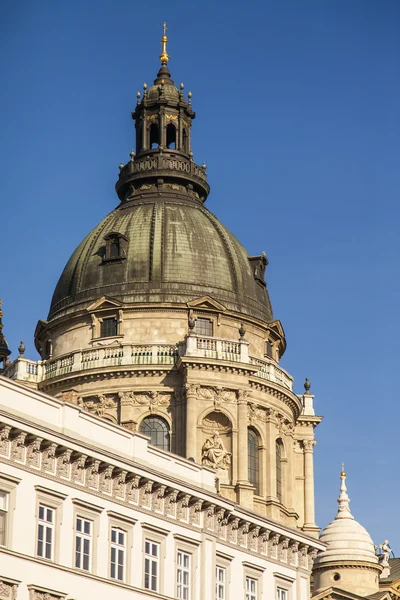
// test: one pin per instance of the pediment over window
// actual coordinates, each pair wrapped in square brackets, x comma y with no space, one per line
[276,327]
[208,303]
[103,303]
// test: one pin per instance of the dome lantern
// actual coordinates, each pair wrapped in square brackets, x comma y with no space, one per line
[163,122]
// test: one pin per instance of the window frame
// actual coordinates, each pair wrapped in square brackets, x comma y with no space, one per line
[4,517]
[119,549]
[8,485]
[256,469]
[83,536]
[254,572]
[283,583]
[190,547]
[180,572]
[126,525]
[89,512]
[210,323]
[158,536]
[279,456]
[54,500]
[223,561]
[152,559]
[112,239]
[251,594]
[102,322]
[279,591]
[161,418]
[46,525]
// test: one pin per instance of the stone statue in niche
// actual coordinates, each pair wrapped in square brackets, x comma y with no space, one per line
[214,454]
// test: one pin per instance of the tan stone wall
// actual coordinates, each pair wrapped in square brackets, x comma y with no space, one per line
[357,580]
[229,392]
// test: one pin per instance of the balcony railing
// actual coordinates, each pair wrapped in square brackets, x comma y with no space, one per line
[272,371]
[148,354]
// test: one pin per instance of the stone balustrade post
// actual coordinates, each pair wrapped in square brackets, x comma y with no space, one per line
[244,351]
[191,345]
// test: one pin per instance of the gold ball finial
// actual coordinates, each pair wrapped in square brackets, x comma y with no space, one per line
[343,474]
[145,86]
[164,58]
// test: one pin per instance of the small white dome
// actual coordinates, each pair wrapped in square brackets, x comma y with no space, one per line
[346,539]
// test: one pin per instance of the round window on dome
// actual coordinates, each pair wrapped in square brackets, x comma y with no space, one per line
[336,577]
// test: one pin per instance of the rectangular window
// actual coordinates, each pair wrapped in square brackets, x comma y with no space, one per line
[108,327]
[83,543]
[151,565]
[45,540]
[220,583]
[281,594]
[268,348]
[118,545]
[204,327]
[3,517]
[183,576]
[251,588]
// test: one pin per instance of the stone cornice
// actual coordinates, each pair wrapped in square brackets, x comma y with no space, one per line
[279,392]
[347,564]
[308,421]
[119,481]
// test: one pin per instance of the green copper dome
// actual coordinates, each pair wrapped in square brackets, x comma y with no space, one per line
[161,245]
[174,250]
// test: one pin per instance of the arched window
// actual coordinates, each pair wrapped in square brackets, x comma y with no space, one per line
[279,453]
[185,141]
[154,137]
[158,430]
[171,136]
[253,460]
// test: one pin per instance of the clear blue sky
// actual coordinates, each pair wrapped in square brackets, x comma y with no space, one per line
[298,121]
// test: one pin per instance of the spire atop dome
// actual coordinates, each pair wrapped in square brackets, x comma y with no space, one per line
[4,350]
[164,58]
[343,500]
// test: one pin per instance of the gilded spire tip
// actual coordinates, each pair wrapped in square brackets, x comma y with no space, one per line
[164,58]
[343,474]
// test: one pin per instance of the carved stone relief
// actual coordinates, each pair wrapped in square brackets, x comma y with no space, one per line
[217,395]
[214,453]
[153,400]
[8,590]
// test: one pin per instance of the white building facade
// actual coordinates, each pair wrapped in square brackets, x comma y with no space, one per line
[90,509]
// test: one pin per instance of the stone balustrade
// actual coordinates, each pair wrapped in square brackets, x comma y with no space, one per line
[124,354]
[269,369]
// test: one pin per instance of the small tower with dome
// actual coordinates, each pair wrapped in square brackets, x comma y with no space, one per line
[349,561]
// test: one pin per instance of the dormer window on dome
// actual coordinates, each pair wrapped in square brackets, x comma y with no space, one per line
[116,247]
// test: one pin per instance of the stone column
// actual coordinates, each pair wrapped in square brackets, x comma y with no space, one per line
[244,489]
[191,420]
[242,453]
[270,471]
[309,514]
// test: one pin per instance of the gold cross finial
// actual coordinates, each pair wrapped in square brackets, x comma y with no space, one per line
[343,474]
[164,58]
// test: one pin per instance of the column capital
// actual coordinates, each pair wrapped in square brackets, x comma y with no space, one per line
[242,396]
[191,389]
[308,445]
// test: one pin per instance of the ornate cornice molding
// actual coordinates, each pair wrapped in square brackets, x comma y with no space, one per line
[121,484]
